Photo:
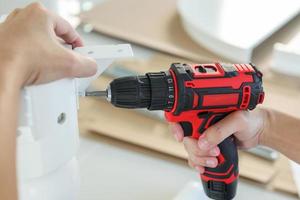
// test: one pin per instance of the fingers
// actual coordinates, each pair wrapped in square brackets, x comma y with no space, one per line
[60,26]
[64,30]
[200,169]
[192,148]
[71,63]
[177,131]
[215,134]
[198,158]
[205,161]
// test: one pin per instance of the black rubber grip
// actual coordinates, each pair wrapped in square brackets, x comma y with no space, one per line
[219,183]
[228,168]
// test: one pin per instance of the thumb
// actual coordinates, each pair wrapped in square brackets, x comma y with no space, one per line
[81,66]
[215,134]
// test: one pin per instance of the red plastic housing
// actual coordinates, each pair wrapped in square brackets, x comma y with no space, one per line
[204,95]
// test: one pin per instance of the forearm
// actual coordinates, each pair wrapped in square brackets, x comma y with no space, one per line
[29,39]
[9,101]
[282,133]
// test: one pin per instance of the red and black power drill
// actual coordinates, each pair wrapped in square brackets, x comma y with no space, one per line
[196,96]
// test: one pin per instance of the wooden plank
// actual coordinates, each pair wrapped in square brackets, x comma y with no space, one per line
[284,178]
[145,23]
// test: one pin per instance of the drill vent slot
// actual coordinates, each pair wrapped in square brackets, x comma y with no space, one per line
[246,97]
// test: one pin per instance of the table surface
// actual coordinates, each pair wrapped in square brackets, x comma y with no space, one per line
[114,170]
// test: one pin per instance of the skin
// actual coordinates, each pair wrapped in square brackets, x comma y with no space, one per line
[250,128]
[31,53]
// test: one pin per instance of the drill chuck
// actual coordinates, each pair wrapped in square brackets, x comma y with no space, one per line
[154,91]
[130,92]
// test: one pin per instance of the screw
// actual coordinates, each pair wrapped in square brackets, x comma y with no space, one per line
[61,118]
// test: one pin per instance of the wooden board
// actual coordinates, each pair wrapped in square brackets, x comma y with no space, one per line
[154,24]
[284,180]
[130,126]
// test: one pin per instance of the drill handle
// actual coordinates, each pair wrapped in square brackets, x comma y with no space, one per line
[221,182]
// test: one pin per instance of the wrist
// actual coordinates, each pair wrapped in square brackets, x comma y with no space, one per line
[10,77]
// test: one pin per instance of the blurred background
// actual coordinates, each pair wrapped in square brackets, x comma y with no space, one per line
[131,154]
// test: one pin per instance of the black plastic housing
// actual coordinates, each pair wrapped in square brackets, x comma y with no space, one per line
[154,91]
[131,92]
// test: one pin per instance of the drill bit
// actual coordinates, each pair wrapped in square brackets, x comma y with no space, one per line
[104,93]
[96,93]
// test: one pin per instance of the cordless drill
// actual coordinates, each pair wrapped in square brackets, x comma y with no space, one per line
[196,96]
